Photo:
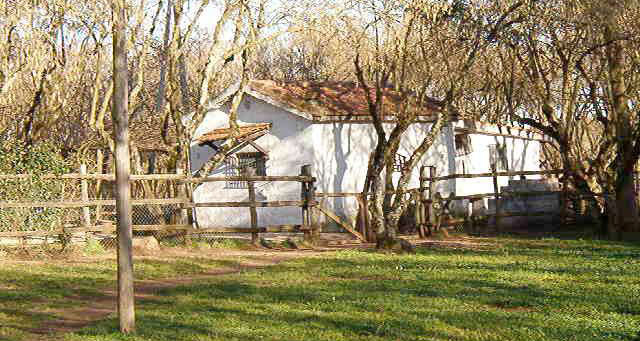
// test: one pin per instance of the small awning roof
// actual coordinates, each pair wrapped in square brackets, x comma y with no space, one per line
[225,133]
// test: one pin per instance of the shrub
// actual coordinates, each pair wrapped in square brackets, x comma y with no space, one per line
[93,248]
[36,160]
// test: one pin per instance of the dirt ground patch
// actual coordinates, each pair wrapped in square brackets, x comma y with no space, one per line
[86,310]
[95,308]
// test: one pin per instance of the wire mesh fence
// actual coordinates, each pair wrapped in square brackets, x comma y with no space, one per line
[81,208]
[56,210]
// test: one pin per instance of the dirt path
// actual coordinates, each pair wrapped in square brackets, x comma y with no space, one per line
[92,309]
[96,308]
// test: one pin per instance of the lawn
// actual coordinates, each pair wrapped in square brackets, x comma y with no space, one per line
[508,289]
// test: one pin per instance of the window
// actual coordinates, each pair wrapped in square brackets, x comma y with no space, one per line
[238,164]
[463,144]
[399,162]
[498,157]
[469,124]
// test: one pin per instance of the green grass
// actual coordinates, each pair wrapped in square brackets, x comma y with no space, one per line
[545,289]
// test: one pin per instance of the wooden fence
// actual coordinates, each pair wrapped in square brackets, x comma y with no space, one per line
[430,202]
[182,199]
[430,210]
[431,206]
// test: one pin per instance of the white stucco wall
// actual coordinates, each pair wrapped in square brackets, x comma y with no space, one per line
[290,146]
[342,154]
[339,154]
[522,155]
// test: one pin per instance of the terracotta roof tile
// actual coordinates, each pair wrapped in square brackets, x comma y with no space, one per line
[145,132]
[225,133]
[332,98]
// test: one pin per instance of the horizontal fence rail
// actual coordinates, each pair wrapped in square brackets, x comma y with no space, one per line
[163,214]
[141,202]
[291,203]
[97,202]
[359,194]
[250,178]
[175,213]
[516,194]
[187,228]
[178,177]
[104,177]
[490,175]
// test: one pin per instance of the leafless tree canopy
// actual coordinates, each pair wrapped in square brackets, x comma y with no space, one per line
[569,69]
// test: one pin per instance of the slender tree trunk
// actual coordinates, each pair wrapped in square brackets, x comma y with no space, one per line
[400,202]
[626,200]
[377,214]
[120,118]
[165,60]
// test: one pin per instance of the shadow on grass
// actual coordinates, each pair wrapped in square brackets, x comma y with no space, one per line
[34,294]
[335,298]
[524,289]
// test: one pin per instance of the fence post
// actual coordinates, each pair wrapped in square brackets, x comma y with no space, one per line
[472,217]
[184,212]
[415,197]
[496,193]
[84,186]
[313,221]
[361,213]
[637,182]
[368,234]
[253,210]
[306,196]
[420,202]
[99,168]
[429,212]
[188,188]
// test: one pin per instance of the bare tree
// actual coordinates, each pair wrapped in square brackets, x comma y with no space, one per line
[247,19]
[425,51]
[573,80]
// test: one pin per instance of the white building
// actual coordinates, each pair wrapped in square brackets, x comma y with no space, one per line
[327,125]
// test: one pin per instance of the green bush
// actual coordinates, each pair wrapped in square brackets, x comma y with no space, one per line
[93,248]
[36,160]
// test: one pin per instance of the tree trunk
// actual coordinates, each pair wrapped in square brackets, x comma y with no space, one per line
[120,118]
[377,211]
[626,201]
[400,202]
[164,55]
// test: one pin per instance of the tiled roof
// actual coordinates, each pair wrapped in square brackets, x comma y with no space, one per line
[225,133]
[148,135]
[325,99]
[145,132]
[316,99]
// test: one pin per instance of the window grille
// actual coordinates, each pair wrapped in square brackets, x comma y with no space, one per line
[498,157]
[469,124]
[462,167]
[238,164]
[463,144]
[399,162]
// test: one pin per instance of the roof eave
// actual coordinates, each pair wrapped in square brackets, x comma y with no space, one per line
[278,104]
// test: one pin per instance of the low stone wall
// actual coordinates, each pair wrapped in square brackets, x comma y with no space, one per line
[526,204]
[39,240]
